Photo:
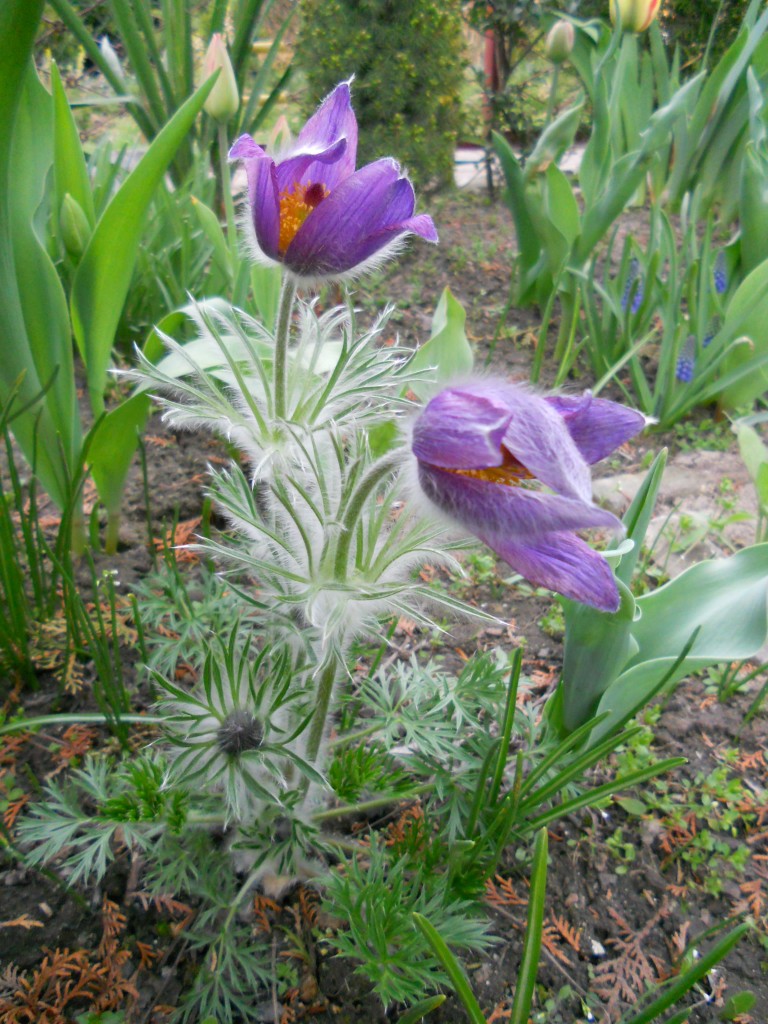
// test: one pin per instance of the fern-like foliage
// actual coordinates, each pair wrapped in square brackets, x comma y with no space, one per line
[76,822]
[377,894]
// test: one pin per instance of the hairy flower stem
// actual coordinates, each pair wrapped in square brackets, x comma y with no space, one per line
[368,805]
[332,669]
[378,472]
[282,335]
[325,688]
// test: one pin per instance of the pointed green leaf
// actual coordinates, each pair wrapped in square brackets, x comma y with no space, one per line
[747,316]
[529,966]
[528,241]
[111,447]
[447,350]
[638,516]
[452,967]
[70,169]
[104,274]
[554,140]
[419,1010]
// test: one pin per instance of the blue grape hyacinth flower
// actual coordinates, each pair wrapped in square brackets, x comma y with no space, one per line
[634,278]
[686,361]
[720,273]
[714,326]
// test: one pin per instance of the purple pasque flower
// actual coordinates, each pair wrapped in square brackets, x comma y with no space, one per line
[512,466]
[313,212]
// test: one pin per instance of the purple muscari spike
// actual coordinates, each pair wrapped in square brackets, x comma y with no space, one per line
[714,326]
[686,361]
[512,467]
[633,275]
[720,273]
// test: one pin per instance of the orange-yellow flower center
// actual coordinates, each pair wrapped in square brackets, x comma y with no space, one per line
[511,472]
[296,204]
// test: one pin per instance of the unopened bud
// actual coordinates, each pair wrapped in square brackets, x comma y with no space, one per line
[635,15]
[112,60]
[75,229]
[223,100]
[240,732]
[560,41]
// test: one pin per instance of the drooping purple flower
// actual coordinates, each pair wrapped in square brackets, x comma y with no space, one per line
[686,361]
[720,273]
[634,280]
[313,212]
[512,467]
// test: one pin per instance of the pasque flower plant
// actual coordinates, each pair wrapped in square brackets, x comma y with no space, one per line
[313,505]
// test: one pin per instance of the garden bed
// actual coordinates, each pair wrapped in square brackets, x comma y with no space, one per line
[630,884]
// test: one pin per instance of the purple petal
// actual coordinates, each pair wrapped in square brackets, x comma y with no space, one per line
[461,430]
[310,168]
[332,121]
[528,529]
[490,509]
[265,204]
[596,425]
[358,218]
[563,563]
[421,225]
[537,437]
[262,193]
[245,148]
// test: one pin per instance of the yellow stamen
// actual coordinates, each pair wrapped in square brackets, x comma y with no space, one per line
[296,204]
[511,472]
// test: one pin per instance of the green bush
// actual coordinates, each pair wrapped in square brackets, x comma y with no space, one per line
[406,56]
[688,24]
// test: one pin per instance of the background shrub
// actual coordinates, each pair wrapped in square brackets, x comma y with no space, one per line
[687,23]
[407,58]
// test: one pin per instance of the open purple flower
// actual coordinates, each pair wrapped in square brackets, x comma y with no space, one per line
[484,450]
[313,212]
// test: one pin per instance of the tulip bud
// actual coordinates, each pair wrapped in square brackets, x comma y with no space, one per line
[112,60]
[635,15]
[560,41]
[223,100]
[74,226]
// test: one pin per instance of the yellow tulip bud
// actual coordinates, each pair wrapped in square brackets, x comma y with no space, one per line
[223,100]
[635,15]
[560,41]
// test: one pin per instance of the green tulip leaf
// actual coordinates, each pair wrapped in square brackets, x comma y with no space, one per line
[747,317]
[70,168]
[447,351]
[720,605]
[104,273]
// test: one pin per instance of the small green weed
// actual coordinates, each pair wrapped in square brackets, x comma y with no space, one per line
[703,823]
[553,622]
[704,435]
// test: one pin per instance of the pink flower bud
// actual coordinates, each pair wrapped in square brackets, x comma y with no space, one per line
[223,100]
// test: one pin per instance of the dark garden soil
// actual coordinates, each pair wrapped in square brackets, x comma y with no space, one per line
[630,885]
